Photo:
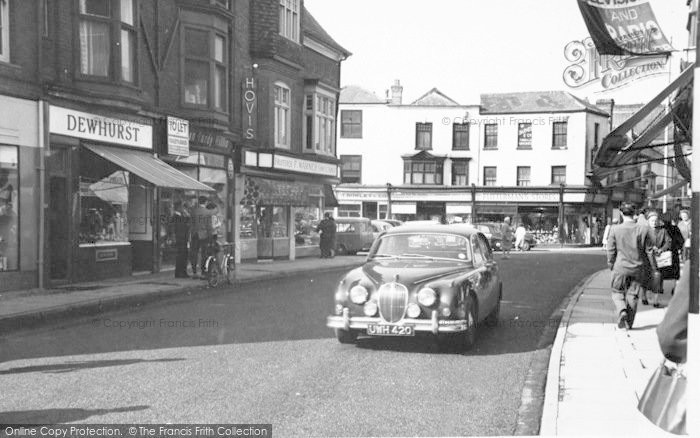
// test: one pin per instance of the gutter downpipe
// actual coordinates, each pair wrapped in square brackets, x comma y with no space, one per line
[42,194]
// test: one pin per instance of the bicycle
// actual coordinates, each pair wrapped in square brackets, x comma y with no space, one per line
[216,269]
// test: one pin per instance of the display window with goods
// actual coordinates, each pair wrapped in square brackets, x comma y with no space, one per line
[9,208]
[306,219]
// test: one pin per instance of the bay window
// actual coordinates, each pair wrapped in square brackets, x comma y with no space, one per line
[319,114]
[422,172]
[205,68]
[289,19]
[282,115]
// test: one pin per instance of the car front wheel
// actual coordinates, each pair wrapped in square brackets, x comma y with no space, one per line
[525,246]
[346,336]
[467,339]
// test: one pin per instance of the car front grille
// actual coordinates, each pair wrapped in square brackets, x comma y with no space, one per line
[393,299]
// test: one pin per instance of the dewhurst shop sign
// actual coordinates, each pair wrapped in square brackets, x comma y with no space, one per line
[588,67]
[72,123]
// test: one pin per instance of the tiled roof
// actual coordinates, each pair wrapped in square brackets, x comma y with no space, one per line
[312,28]
[535,102]
[434,97]
[356,94]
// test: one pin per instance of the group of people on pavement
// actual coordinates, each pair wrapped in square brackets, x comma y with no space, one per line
[507,233]
[643,250]
[194,235]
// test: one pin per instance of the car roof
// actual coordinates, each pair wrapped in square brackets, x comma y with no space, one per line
[351,219]
[460,229]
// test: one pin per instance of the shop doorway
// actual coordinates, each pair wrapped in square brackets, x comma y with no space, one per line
[430,211]
[369,210]
[59,229]
[265,241]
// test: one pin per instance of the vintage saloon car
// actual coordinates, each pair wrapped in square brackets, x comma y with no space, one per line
[434,279]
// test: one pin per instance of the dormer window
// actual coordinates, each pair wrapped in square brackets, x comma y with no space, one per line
[289,19]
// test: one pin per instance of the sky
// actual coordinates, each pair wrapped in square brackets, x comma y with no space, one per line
[469,47]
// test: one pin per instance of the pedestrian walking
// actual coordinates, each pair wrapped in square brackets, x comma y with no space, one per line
[507,237]
[662,251]
[628,247]
[326,229]
[181,223]
[202,230]
[520,233]
[606,232]
[673,272]
[685,226]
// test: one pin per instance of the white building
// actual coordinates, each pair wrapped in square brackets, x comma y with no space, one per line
[524,155]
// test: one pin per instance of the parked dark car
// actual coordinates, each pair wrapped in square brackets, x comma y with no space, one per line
[439,280]
[353,234]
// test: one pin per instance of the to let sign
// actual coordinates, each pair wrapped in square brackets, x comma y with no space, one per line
[250,109]
[178,137]
[72,123]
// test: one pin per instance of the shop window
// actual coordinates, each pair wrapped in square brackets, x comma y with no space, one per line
[289,19]
[100,20]
[490,136]
[305,222]
[319,112]
[559,134]
[273,222]
[349,210]
[217,180]
[351,169]
[9,208]
[104,202]
[523,176]
[205,68]
[524,135]
[351,124]
[460,172]
[424,136]
[282,115]
[558,175]
[460,136]
[422,172]
[490,176]
[382,211]
[249,229]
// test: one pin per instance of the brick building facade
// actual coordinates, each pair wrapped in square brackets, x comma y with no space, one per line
[122,109]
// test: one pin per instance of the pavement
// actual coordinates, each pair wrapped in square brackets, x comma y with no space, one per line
[21,309]
[598,372]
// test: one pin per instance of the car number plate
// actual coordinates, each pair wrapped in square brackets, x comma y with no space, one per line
[390,330]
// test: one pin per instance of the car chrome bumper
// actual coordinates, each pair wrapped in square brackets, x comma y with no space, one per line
[433,325]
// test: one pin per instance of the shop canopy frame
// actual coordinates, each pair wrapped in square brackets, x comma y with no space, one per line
[148,167]
[623,149]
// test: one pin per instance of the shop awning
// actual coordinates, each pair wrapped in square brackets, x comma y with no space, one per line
[329,196]
[622,147]
[148,167]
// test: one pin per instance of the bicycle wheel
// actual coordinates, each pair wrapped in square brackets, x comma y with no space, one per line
[212,272]
[230,269]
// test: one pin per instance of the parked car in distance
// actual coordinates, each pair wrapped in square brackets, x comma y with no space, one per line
[378,227]
[437,280]
[393,222]
[353,234]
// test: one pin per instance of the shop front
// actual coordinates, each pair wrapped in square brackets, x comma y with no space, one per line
[280,210]
[20,155]
[104,182]
[205,156]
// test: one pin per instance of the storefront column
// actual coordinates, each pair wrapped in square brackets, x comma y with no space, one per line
[236,211]
[562,236]
[291,229]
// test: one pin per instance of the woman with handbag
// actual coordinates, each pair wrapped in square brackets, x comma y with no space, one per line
[673,272]
[662,250]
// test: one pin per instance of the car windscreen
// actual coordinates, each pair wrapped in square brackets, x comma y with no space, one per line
[423,245]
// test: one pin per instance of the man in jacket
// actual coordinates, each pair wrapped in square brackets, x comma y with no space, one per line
[327,230]
[629,248]
[202,230]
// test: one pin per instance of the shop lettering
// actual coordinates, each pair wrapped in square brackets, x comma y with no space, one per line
[588,67]
[249,105]
[614,3]
[102,128]
[178,126]
[209,140]
[286,163]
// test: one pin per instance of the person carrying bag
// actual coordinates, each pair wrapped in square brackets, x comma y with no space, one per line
[664,399]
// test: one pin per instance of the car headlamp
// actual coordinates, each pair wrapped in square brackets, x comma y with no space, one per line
[370,308]
[427,296]
[413,310]
[359,294]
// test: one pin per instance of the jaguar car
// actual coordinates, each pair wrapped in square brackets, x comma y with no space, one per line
[434,280]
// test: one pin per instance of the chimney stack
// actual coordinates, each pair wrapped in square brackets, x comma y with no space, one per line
[607,105]
[396,93]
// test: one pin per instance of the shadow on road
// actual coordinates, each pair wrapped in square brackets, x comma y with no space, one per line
[75,366]
[56,416]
